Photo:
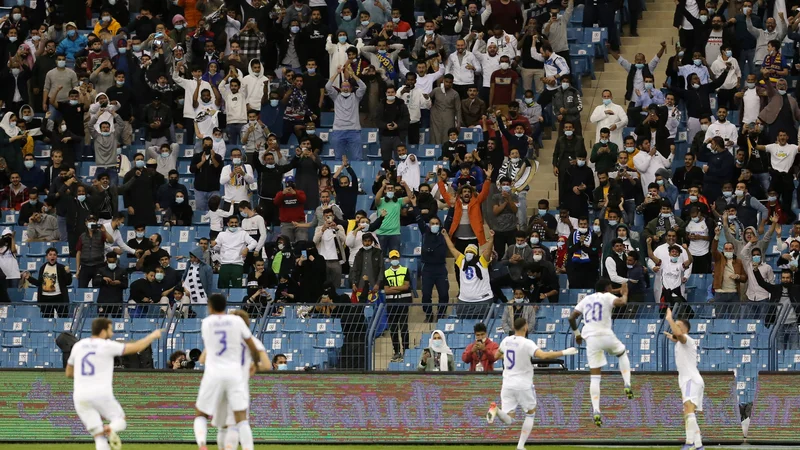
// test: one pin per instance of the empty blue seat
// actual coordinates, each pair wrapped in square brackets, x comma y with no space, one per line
[365,202]
[14,324]
[410,241]
[26,312]
[428,152]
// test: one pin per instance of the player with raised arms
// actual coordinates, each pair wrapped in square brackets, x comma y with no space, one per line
[517,353]
[226,339]
[689,379]
[600,338]
[93,394]
[224,419]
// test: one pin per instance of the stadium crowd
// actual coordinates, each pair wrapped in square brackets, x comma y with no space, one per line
[240,81]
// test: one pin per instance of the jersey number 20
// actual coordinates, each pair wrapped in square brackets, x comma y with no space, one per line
[594,312]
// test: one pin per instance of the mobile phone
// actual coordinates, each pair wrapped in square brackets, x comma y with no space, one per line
[304,254]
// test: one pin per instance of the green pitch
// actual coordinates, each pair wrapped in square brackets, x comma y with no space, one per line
[88,446]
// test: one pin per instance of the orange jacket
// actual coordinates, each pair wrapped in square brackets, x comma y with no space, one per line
[473,209]
[190,12]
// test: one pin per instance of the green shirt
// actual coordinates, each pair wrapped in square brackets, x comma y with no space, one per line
[391,223]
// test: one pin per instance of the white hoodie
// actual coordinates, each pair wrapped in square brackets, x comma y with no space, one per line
[253,87]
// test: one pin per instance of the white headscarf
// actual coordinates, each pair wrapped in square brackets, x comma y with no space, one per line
[443,351]
[10,129]
[105,116]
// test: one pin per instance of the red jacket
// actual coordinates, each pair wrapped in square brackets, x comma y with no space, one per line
[486,357]
[291,208]
[15,201]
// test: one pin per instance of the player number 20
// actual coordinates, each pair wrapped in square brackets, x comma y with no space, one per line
[511,358]
[594,313]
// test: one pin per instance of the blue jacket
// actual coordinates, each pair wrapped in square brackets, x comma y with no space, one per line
[721,168]
[434,247]
[33,178]
[206,273]
[69,47]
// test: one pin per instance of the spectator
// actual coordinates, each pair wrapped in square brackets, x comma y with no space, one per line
[233,246]
[475,294]
[144,291]
[15,193]
[179,212]
[197,279]
[43,228]
[581,185]
[416,101]
[752,261]
[329,238]
[518,307]
[584,246]
[504,208]
[366,276]
[385,199]
[782,156]
[11,141]
[207,168]
[567,105]
[695,199]
[666,190]
[72,44]
[726,60]
[346,131]
[31,175]
[9,265]
[437,357]
[672,272]
[518,257]
[151,258]
[688,175]
[112,279]
[236,178]
[567,148]
[291,211]
[53,280]
[785,294]
[696,97]
[33,205]
[89,251]
[165,196]
[397,288]
[611,116]
[480,355]
[139,187]
[698,233]
[647,160]
[604,152]
[555,70]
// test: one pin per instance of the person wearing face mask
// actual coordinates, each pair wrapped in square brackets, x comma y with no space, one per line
[518,306]
[648,161]
[518,139]
[604,152]
[179,212]
[345,134]
[580,186]
[437,357]
[583,256]
[567,105]
[408,167]
[611,116]
[512,168]
[638,74]
[28,208]
[787,295]
[699,234]
[52,283]
[89,251]
[753,260]
[543,222]
[726,92]
[752,98]
[329,238]
[366,267]
[695,199]
[475,294]
[696,98]
[32,176]
[112,280]
[233,246]
[780,113]
[658,227]
[45,62]
[673,270]
[654,127]
[666,189]
[13,91]
[139,193]
[392,121]
[73,43]
[236,178]
[567,148]
[616,264]
[774,31]
[279,260]
[517,256]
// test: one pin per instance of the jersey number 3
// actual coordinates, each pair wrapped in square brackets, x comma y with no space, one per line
[222,340]
[594,312]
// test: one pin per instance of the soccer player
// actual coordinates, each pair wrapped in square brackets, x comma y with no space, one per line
[517,352]
[600,338]
[93,394]
[223,419]
[689,378]
[226,339]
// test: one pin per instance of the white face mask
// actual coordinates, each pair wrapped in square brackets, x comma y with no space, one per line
[437,345]
[537,257]
[469,256]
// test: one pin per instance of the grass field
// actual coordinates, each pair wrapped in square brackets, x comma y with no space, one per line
[321,447]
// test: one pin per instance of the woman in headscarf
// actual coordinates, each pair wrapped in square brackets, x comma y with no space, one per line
[279,257]
[5,172]
[11,141]
[437,357]
[559,255]
[179,212]
[212,74]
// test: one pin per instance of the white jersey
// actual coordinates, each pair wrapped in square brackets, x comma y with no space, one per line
[517,366]
[93,363]
[686,359]
[223,340]
[596,310]
[247,360]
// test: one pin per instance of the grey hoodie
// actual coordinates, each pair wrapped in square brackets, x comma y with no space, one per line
[205,274]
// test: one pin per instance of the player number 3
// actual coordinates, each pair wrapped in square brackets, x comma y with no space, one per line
[594,313]
[222,340]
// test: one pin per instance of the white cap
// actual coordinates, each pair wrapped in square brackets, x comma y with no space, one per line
[6,231]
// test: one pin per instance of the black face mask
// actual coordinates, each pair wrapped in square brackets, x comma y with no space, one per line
[173,183]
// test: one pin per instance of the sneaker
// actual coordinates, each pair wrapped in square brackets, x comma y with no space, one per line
[492,413]
[688,447]
[397,357]
[700,448]
[598,421]
[113,440]
[629,393]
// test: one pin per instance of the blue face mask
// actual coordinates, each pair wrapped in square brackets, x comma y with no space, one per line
[395,262]
[139,163]
[233,229]
[542,212]
[33,202]
[757,259]
[71,33]
[606,101]
[81,198]
[435,229]
[390,195]
[639,66]
[613,223]
[273,103]
[283,367]
[342,39]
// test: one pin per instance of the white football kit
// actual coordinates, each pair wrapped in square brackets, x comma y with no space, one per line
[518,388]
[689,379]
[93,396]
[224,415]
[600,338]
[223,340]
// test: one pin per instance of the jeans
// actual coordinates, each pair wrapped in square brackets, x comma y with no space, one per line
[233,130]
[763,179]
[347,142]
[726,309]
[293,233]
[389,146]
[435,275]
[746,62]
[201,199]
[388,243]
[522,209]
[629,211]
[62,227]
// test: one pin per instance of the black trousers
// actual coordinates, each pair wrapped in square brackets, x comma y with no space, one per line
[783,183]
[86,275]
[702,264]
[397,323]
[413,133]
[503,239]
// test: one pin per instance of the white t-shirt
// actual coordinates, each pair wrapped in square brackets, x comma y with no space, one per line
[517,366]
[686,360]
[671,273]
[93,360]
[223,339]
[782,157]
[698,248]
[596,309]
[474,289]
[9,264]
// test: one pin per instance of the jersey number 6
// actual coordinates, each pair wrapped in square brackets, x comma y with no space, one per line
[87,368]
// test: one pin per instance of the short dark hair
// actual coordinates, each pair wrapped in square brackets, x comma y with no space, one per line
[602,284]
[686,323]
[634,254]
[172,172]
[111,255]
[175,355]
[479,327]
[616,241]
[245,203]
[275,358]
[520,323]
[100,324]
[51,249]
[217,302]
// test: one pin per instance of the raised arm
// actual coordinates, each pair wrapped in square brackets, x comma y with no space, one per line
[677,334]
[450,246]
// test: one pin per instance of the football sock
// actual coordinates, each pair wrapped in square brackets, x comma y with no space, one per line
[232,438]
[101,443]
[221,433]
[625,369]
[245,435]
[200,430]
[504,417]
[118,425]
[689,431]
[594,392]
[692,420]
[527,426]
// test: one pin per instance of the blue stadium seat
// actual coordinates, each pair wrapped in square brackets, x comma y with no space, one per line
[16,340]
[428,152]
[365,202]
[27,312]
[410,241]
[14,324]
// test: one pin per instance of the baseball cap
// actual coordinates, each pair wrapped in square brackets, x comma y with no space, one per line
[289,179]
[394,254]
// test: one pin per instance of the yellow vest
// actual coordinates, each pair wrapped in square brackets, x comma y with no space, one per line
[395,278]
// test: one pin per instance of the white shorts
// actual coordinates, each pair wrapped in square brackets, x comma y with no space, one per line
[224,414]
[598,346]
[511,398]
[213,390]
[92,411]
[692,391]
